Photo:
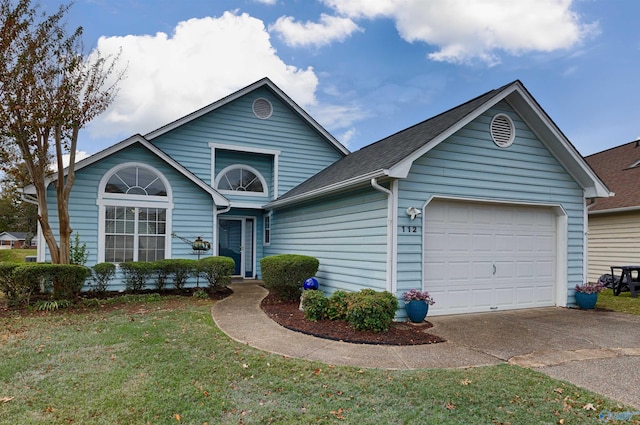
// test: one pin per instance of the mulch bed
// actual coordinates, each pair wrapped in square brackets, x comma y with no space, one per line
[289,315]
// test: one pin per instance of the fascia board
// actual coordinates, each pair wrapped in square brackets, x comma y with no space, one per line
[401,169]
[242,92]
[327,190]
[564,151]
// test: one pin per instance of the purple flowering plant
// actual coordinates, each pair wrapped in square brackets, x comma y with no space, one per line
[415,295]
[590,288]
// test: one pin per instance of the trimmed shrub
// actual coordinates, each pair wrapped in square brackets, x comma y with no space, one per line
[181,269]
[13,291]
[286,273]
[163,269]
[314,304]
[338,305]
[68,279]
[136,274]
[372,311]
[216,270]
[102,275]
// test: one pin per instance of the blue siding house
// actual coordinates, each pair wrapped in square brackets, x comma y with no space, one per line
[482,205]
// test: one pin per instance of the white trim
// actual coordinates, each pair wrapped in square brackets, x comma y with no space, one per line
[394,235]
[249,149]
[223,172]
[561,279]
[136,201]
[266,216]
[390,226]
[218,199]
[265,82]
[512,130]
[243,235]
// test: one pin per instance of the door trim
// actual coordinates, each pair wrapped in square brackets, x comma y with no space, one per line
[243,249]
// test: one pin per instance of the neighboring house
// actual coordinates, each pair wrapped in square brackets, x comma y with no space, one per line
[482,205]
[614,223]
[9,240]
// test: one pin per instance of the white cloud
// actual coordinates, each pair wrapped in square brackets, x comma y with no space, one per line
[476,30]
[80,155]
[328,30]
[202,61]
[268,2]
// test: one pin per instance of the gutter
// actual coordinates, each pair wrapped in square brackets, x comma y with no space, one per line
[326,190]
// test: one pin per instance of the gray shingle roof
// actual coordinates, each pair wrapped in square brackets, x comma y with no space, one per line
[391,150]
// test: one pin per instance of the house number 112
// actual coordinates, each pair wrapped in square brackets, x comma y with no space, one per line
[409,229]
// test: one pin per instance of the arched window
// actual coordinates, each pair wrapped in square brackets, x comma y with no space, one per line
[241,179]
[134,204]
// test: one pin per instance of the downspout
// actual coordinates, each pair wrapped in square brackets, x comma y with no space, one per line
[40,251]
[390,232]
[215,228]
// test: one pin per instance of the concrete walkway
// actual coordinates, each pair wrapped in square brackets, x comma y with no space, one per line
[596,350]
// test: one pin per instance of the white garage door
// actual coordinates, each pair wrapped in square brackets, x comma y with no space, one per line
[482,257]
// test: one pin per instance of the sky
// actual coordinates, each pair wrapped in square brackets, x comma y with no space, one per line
[366,69]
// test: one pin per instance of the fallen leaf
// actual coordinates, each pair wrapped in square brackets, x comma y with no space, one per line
[6,399]
[450,406]
[317,372]
[178,417]
[465,382]
[561,421]
[589,406]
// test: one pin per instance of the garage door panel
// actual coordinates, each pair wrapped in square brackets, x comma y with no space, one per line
[480,256]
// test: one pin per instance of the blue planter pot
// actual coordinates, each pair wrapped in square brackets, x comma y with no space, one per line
[586,301]
[417,310]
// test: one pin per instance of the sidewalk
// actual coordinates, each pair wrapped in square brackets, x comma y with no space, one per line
[557,341]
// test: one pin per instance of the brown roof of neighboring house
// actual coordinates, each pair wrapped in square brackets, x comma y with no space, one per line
[619,168]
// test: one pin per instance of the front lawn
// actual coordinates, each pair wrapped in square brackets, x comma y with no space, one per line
[16,255]
[164,361]
[623,303]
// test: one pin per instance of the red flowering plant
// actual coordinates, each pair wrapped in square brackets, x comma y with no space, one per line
[415,295]
[590,288]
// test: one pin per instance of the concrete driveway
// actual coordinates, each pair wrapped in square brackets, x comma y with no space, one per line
[593,349]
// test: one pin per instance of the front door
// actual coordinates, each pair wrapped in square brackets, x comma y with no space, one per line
[236,240]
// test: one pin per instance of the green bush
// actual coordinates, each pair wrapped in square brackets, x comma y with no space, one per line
[338,305]
[163,269]
[285,274]
[102,275]
[136,274]
[314,304]
[372,311]
[182,269]
[68,279]
[12,290]
[216,270]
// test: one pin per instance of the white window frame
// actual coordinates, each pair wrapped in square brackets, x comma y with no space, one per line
[134,201]
[234,148]
[266,229]
[222,173]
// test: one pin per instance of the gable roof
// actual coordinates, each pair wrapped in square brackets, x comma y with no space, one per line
[18,236]
[620,170]
[266,83]
[394,155]
[217,197]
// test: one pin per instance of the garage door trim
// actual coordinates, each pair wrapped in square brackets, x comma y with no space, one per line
[560,288]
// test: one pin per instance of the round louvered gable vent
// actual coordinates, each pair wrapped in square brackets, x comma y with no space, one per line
[503,132]
[262,108]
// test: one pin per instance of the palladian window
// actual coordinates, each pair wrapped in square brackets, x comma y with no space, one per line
[241,178]
[134,209]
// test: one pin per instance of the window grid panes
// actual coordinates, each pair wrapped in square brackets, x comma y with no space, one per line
[267,229]
[241,180]
[134,234]
[135,181]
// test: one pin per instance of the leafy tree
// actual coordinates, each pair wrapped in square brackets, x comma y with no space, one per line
[16,215]
[49,90]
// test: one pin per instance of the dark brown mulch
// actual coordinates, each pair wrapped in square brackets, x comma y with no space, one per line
[289,315]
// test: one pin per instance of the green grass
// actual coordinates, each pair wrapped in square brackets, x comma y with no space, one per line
[16,255]
[623,303]
[164,361]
